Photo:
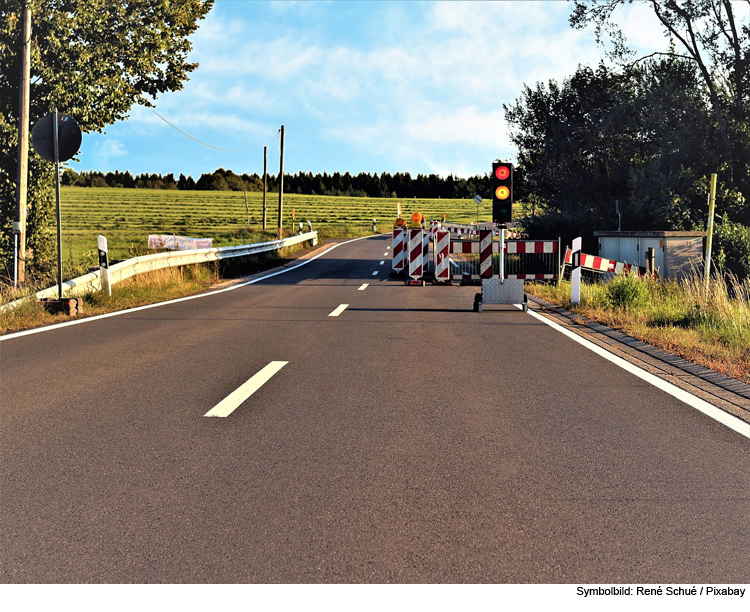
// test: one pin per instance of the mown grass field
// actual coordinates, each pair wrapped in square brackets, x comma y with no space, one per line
[127,216]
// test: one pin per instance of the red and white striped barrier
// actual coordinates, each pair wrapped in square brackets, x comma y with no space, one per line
[460,230]
[471,230]
[442,256]
[416,245]
[398,250]
[465,247]
[531,246]
[485,253]
[599,264]
[519,246]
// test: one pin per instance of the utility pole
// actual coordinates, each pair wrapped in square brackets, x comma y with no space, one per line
[265,182]
[19,224]
[281,183]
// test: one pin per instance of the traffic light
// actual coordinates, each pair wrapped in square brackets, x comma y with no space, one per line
[502,192]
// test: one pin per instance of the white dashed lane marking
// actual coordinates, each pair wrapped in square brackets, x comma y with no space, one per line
[232,401]
[339,309]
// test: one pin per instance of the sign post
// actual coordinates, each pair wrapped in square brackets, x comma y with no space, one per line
[56,138]
[477,201]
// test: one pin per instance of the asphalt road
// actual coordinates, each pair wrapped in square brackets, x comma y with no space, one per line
[407,439]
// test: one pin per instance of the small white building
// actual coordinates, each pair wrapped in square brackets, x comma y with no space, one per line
[676,253]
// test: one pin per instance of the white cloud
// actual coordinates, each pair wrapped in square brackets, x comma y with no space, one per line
[396,84]
[109,150]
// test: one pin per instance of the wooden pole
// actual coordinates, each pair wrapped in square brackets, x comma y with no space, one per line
[19,224]
[281,184]
[265,184]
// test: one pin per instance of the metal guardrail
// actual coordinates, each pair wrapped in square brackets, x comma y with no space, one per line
[158,261]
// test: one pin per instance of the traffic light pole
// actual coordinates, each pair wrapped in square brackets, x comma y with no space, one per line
[502,254]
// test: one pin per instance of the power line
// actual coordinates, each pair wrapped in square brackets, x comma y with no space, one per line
[196,140]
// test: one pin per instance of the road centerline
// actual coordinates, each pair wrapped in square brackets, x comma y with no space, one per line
[232,401]
[339,309]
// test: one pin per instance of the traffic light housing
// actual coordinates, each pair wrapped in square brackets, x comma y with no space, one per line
[502,192]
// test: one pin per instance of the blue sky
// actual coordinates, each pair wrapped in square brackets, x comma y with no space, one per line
[360,86]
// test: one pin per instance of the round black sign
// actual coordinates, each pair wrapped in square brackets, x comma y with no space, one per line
[68,137]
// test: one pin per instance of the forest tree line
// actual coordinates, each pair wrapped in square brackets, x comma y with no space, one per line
[385,185]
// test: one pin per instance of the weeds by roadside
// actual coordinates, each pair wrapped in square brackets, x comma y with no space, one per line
[139,290]
[709,327]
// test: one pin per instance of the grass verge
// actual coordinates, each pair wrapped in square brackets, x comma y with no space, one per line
[710,327]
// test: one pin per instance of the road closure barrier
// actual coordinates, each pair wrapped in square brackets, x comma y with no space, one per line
[442,256]
[456,257]
[398,249]
[524,260]
[416,254]
[603,266]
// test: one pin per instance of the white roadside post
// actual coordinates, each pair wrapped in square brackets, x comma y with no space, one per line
[101,242]
[575,276]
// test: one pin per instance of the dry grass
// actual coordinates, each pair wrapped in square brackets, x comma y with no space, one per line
[139,290]
[710,327]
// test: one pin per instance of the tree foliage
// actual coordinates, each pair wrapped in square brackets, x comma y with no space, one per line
[712,35]
[641,139]
[385,185]
[93,60]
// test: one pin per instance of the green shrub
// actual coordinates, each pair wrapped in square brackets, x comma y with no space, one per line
[627,291]
[731,246]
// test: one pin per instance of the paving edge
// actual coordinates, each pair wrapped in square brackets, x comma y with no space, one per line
[724,382]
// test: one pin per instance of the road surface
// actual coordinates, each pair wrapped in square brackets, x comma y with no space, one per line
[400,438]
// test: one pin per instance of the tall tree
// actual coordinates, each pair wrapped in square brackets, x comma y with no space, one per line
[93,60]
[643,137]
[712,34]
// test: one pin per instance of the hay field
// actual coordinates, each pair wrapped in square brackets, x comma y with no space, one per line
[127,216]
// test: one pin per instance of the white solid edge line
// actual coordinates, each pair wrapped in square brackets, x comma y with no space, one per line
[107,315]
[339,309]
[232,401]
[363,287]
[731,421]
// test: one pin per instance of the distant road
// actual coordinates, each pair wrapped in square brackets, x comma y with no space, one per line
[377,433]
